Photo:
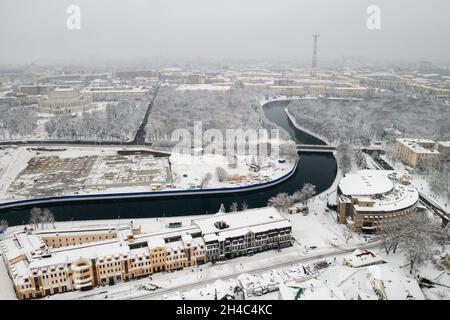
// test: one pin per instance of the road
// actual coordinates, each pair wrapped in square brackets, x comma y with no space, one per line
[189,286]
[139,139]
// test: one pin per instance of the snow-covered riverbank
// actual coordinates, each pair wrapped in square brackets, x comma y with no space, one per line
[79,173]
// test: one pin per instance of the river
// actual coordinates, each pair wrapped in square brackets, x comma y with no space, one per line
[316,168]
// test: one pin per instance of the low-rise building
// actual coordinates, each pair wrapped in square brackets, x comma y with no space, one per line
[116,93]
[371,198]
[50,262]
[361,258]
[444,148]
[313,289]
[65,101]
[412,151]
[391,284]
[248,232]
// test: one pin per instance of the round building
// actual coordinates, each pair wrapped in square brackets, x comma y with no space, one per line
[374,197]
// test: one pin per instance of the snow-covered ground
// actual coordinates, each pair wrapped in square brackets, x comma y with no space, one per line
[422,186]
[69,170]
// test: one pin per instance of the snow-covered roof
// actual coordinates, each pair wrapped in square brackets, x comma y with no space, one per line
[417,145]
[381,188]
[360,258]
[396,285]
[240,223]
[366,182]
[445,144]
[64,255]
[311,290]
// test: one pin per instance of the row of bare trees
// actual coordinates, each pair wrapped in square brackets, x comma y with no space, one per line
[41,217]
[283,201]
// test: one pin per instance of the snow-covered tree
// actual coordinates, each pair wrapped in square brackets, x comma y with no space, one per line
[3,225]
[205,180]
[347,233]
[308,191]
[35,217]
[360,159]
[234,207]
[222,208]
[244,206]
[281,201]
[344,157]
[222,174]
[413,235]
[48,217]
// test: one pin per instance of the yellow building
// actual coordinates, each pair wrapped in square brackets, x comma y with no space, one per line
[66,238]
[50,262]
[412,151]
[444,148]
[447,260]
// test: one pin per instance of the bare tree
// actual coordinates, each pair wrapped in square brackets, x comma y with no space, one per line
[344,157]
[222,174]
[3,225]
[298,196]
[205,180]
[281,201]
[360,159]
[35,217]
[222,208]
[234,207]
[441,235]
[308,191]
[348,234]
[48,217]
[390,234]
[416,239]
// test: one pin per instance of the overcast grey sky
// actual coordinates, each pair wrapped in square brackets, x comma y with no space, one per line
[35,30]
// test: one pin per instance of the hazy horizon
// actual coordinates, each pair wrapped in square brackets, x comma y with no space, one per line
[114,30]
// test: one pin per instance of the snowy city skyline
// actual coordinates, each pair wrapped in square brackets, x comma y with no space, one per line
[254,150]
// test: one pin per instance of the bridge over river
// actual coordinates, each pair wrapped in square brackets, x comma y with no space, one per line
[315,148]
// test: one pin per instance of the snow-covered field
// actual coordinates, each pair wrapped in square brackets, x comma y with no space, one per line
[70,170]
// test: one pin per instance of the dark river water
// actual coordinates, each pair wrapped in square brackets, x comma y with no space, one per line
[316,168]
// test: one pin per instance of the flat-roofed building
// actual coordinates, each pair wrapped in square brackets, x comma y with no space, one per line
[391,284]
[65,238]
[371,198]
[39,264]
[413,151]
[444,148]
[116,93]
[361,258]
[248,232]
[65,101]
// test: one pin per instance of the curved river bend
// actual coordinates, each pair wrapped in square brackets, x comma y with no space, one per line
[317,168]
